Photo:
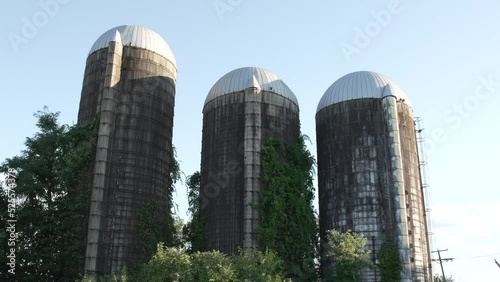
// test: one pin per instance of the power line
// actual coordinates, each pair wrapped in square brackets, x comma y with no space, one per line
[482,256]
[476,257]
[441,260]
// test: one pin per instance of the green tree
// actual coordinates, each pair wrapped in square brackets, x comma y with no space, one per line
[194,229]
[175,264]
[212,266]
[53,194]
[4,235]
[288,223]
[180,240]
[348,255]
[439,278]
[253,265]
[167,264]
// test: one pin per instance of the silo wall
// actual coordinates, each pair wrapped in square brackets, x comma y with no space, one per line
[139,151]
[369,181]
[93,85]
[352,181]
[416,217]
[234,128]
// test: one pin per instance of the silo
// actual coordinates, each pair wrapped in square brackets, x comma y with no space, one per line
[243,109]
[368,170]
[129,83]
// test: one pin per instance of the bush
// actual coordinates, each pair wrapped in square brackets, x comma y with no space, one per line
[171,264]
[168,264]
[212,266]
[257,266]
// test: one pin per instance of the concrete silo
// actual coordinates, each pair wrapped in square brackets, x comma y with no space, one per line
[242,109]
[368,170]
[129,82]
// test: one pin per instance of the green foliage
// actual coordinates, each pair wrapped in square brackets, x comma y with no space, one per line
[156,222]
[180,241]
[53,199]
[174,264]
[439,278]
[348,254]
[175,171]
[388,261]
[288,224]
[257,266]
[194,230]
[153,228]
[168,264]
[212,266]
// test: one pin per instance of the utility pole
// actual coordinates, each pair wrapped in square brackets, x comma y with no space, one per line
[441,261]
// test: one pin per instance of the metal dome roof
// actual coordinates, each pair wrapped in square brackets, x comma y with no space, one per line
[136,36]
[358,85]
[243,78]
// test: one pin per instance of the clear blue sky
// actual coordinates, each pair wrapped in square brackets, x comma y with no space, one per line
[439,52]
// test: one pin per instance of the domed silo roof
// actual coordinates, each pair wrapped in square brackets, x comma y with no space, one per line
[136,36]
[243,78]
[359,85]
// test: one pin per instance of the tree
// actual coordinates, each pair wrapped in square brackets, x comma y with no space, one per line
[253,265]
[174,264]
[212,266]
[53,198]
[348,255]
[167,264]
[439,278]
[194,230]
[288,224]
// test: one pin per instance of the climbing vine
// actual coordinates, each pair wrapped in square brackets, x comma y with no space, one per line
[388,261]
[288,224]
[156,221]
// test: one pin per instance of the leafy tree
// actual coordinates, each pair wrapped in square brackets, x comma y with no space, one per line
[253,265]
[174,264]
[168,264]
[53,194]
[212,266]
[194,230]
[439,278]
[180,241]
[348,255]
[288,224]
[4,235]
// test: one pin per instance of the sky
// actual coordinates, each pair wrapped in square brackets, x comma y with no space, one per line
[444,54]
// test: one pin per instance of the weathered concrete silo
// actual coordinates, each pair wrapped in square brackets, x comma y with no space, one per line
[368,169]
[129,82]
[242,109]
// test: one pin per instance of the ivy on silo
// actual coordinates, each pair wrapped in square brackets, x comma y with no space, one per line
[389,263]
[155,222]
[288,224]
